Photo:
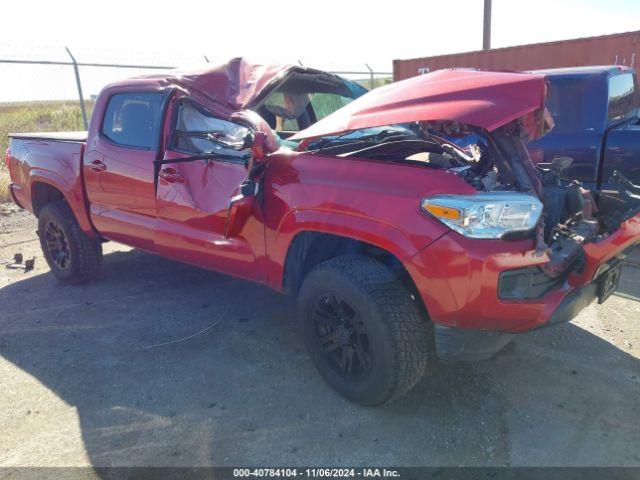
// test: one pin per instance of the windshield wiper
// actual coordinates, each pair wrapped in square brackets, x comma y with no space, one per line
[213,137]
[204,156]
[328,143]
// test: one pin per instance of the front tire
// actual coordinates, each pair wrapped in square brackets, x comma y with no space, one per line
[363,329]
[71,254]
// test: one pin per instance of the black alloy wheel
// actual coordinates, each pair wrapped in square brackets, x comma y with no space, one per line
[57,244]
[72,255]
[363,329]
[342,336]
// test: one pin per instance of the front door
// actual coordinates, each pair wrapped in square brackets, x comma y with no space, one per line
[119,170]
[194,197]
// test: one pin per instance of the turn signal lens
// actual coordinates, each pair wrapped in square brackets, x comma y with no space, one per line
[439,211]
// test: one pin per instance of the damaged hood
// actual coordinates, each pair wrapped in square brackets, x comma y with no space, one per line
[235,84]
[487,100]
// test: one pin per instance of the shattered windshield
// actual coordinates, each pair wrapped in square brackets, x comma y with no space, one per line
[303,99]
[404,129]
[419,134]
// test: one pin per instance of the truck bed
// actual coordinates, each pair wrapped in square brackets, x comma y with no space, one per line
[40,162]
[60,136]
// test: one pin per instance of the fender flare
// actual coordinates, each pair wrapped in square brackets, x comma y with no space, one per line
[69,192]
[371,231]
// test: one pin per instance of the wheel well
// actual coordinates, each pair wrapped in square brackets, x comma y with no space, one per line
[42,194]
[309,249]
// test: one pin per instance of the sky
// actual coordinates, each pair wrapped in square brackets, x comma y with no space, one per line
[327,34]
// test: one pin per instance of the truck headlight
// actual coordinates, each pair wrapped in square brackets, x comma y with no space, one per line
[485,215]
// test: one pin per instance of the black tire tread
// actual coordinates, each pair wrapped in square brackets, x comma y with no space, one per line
[403,316]
[88,263]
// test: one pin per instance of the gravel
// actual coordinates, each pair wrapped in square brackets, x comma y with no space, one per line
[79,388]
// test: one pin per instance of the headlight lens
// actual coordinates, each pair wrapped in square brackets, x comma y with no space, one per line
[485,215]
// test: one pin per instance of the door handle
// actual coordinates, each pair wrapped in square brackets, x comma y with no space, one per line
[170,175]
[97,166]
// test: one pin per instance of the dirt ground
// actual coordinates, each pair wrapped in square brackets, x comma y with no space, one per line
[79,387]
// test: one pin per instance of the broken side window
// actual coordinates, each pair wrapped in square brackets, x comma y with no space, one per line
[197,132]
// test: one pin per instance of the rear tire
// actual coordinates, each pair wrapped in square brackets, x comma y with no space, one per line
[363,330]
[71,254]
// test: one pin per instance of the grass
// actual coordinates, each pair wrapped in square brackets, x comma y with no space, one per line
[56,116]
[377,82]
[4,186]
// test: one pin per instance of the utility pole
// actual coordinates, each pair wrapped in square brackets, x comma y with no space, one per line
[486,30]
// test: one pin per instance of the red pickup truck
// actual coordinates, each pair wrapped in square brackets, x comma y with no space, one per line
[391,236]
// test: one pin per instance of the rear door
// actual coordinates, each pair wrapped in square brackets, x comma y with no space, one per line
[194,196]
[622,152]
[119,169]
[577,104]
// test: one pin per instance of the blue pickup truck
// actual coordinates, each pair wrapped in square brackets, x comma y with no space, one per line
[595,111]
[595,139]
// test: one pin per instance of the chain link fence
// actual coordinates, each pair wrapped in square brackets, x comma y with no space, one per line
[53,89]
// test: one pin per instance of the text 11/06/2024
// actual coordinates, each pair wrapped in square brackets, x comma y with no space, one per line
[315,473]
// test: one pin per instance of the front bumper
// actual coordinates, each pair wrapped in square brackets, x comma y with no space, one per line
[458,278]
[467,345]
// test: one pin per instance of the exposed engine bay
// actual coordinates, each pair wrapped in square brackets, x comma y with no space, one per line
[499,162]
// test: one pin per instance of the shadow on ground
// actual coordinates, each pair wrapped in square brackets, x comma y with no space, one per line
[245,392]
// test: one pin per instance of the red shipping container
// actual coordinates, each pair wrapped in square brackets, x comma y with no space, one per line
[620,48]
